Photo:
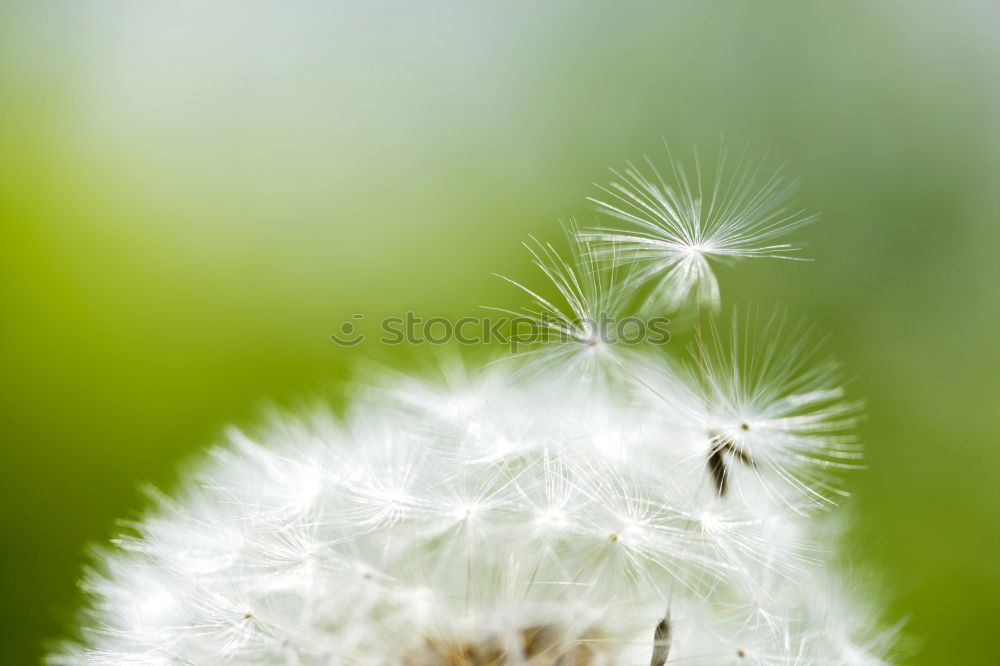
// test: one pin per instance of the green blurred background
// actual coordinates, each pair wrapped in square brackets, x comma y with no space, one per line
[193,196]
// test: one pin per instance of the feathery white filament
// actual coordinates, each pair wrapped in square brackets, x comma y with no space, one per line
[676,226]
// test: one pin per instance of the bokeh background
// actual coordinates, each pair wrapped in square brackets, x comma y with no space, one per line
[193,196]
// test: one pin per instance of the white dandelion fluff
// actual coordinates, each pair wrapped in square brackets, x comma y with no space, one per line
[501,517]
[580,328]
[678,223]
[770,409]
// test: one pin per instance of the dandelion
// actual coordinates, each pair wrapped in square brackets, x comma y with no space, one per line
[519,514]
[678,224]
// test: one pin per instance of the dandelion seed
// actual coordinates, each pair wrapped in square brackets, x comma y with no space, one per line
[578,332]
[661,642]
[717,468]
[678,224]
[765,398]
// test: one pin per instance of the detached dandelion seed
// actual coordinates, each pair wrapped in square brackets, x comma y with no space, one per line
[677,224]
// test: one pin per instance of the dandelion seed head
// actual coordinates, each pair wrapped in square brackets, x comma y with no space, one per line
[577,504]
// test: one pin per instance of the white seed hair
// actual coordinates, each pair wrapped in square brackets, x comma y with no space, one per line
[675,226]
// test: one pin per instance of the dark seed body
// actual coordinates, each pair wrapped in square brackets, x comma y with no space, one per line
[661,643]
